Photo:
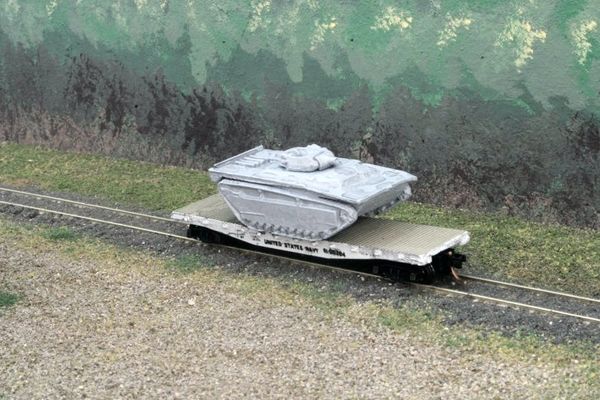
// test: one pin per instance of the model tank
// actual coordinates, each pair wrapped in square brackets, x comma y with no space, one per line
[306,192]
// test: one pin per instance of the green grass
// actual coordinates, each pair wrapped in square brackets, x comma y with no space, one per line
[403,318]
[61,233]
[188,263]
[552,256]
[7,299]
[130,182]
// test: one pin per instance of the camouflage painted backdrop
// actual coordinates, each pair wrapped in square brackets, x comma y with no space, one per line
[494,104]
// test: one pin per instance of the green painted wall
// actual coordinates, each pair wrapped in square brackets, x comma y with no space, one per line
[493,103]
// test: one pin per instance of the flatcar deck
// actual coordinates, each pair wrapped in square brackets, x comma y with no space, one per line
[368,238]
[401,236]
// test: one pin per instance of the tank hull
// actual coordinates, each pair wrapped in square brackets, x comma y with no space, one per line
[306,192]
[286,212]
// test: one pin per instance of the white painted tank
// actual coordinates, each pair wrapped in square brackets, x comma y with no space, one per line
[306,192]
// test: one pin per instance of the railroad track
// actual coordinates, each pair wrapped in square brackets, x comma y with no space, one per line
[470,292]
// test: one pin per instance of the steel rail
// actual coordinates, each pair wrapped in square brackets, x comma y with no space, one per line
[530,288]
[509,302]
[101,221]
[80,203]
[418,285]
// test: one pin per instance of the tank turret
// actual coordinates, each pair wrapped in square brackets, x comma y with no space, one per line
[306,192]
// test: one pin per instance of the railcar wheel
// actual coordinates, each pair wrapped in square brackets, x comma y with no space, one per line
[208,236]
[428,274]
[193,232]
[425,274]
[205,235]
[213,237]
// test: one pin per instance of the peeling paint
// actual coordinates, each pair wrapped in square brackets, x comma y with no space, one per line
[393,18]
[521,35]
[450,31]
[141,4]
[579,33]
[51,6]
[321,30]
[259,18]
[313,4]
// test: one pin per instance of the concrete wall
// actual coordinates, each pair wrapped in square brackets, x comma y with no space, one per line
[494,103]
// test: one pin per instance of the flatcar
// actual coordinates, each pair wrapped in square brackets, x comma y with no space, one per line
[306,203]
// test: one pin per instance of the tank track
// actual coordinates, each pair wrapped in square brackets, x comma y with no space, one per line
[287,231]
[286,212]
[403,197]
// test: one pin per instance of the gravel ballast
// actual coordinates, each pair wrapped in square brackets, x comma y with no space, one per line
[123,328]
